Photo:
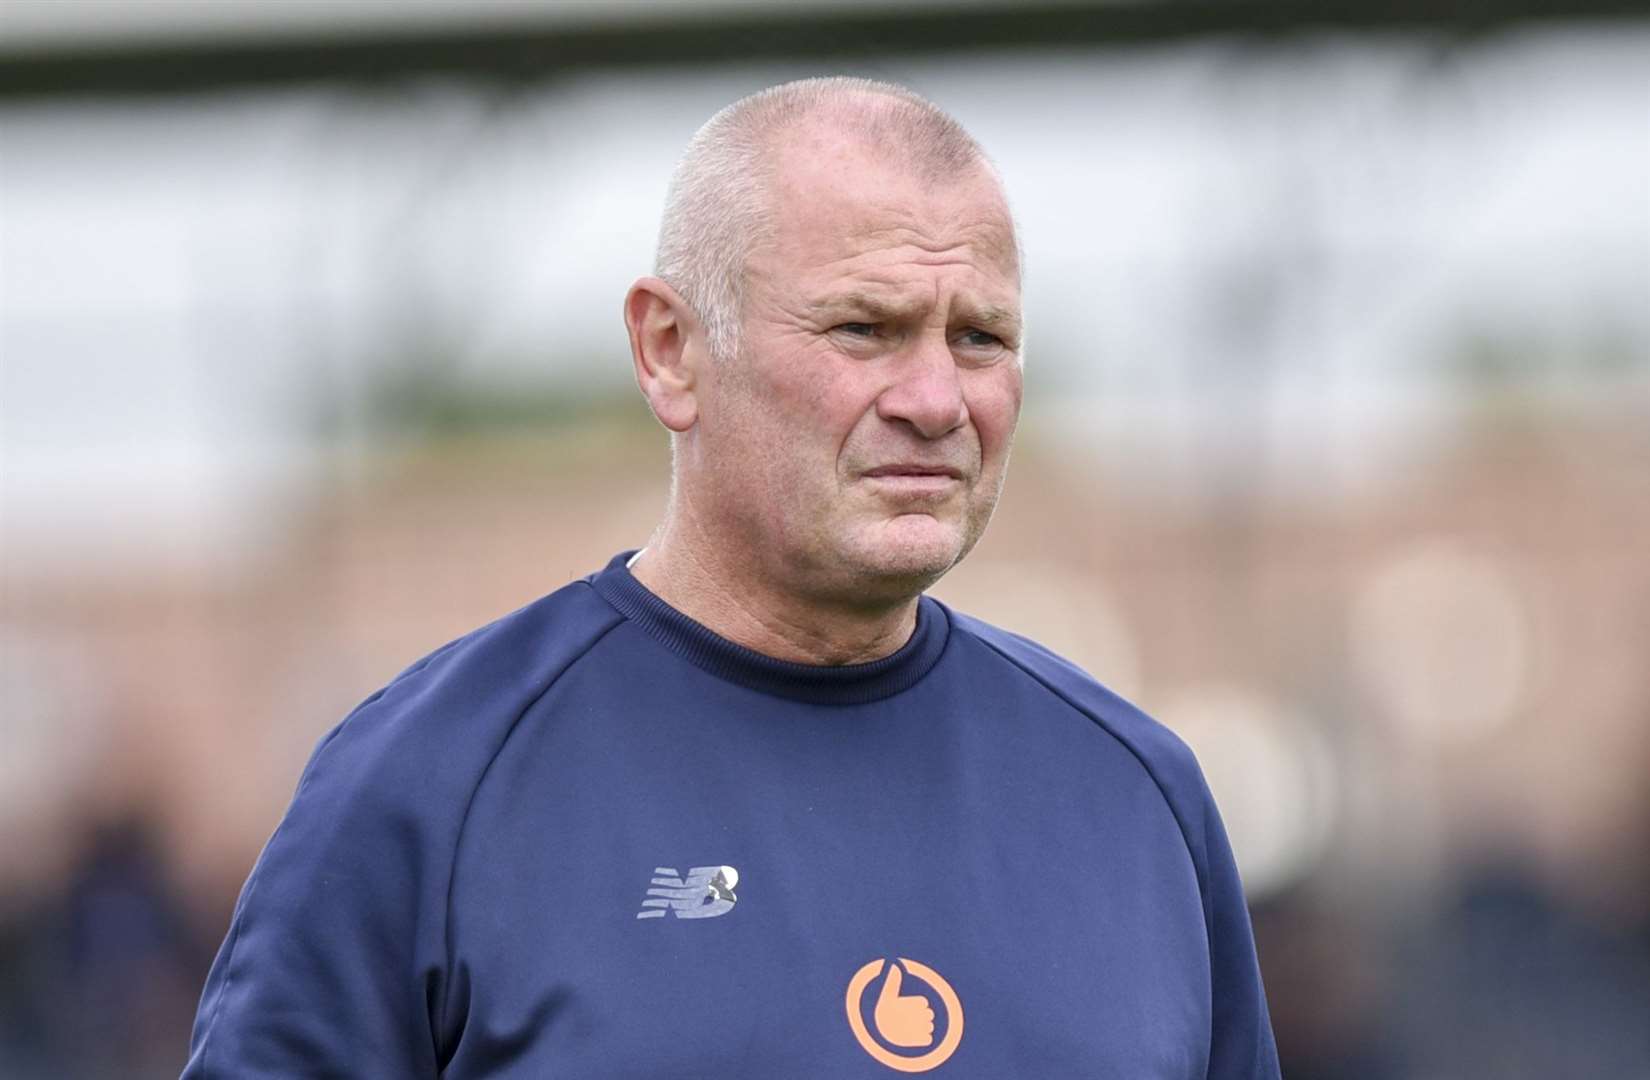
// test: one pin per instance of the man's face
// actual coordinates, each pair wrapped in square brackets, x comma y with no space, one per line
[856,446]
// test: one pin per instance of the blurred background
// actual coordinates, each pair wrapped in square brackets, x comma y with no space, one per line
[1335,453]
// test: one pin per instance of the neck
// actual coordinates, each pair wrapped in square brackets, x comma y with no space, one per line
[683,567]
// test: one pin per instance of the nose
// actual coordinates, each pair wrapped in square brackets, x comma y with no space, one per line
[926,392]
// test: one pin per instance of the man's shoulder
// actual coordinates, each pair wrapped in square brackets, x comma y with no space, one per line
[526,648]
[1160,750]
[438,723]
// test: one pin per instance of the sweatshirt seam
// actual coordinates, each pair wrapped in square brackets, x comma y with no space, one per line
[254,879]
[1150,770]
[475,790]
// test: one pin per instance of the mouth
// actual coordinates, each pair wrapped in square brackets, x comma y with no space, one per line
[910,481]
[902,471]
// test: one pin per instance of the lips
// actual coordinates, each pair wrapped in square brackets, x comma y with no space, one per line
[913,470]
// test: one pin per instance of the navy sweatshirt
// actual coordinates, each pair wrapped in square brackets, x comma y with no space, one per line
[596,840]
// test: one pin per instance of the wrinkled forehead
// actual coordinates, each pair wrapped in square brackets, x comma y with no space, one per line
[831,193]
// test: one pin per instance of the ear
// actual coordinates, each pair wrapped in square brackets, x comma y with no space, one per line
[668,348]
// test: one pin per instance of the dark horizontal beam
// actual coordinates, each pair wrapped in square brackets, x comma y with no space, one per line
[531,52]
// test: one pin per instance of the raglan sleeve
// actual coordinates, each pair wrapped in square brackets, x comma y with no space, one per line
[1242,1046]
[332,962]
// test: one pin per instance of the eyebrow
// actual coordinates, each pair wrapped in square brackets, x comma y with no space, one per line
[995,316]
[858,302]
[879,309]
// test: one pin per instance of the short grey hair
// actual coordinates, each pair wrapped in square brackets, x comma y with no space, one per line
[717,209]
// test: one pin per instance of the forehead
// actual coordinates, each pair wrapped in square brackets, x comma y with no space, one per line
[837,201]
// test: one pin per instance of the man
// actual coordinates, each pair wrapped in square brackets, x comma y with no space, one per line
[745,803]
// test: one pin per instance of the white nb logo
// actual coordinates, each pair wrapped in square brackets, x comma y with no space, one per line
[705,893]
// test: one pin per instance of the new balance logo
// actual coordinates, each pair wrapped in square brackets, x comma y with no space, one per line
[705,893]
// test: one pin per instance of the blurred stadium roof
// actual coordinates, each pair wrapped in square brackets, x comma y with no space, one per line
[52,47]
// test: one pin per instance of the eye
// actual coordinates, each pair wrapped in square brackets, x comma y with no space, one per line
[979,339]
[857,329]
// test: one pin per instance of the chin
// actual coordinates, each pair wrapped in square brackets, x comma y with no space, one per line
[907,556]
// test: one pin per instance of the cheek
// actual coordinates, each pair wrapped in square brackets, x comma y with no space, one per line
[786,380]
[994,406]
[788,441]
[820,412]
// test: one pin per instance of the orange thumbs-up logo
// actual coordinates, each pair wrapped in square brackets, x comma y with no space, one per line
[904,1020]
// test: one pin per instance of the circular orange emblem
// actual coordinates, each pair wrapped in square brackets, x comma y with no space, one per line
[902,1020]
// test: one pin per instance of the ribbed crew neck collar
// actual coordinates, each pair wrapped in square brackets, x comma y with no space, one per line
[849,684]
